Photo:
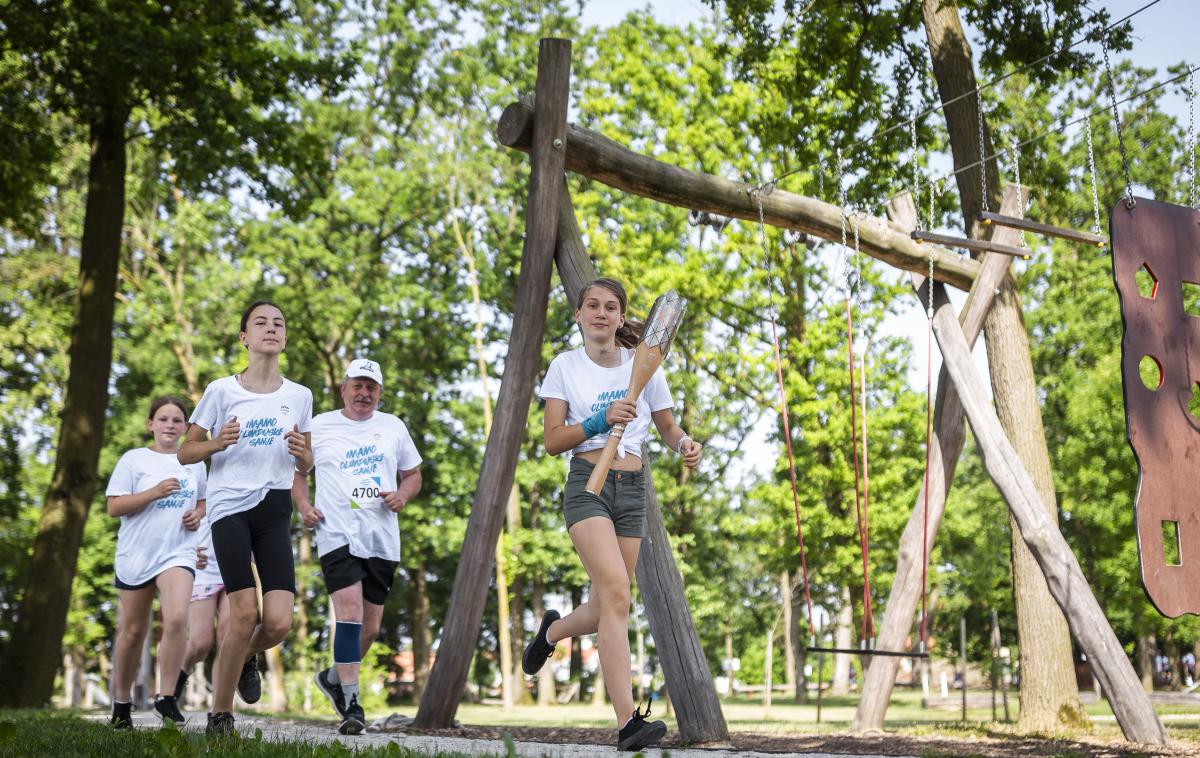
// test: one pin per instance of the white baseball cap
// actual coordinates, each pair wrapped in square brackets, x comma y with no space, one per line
[364,367]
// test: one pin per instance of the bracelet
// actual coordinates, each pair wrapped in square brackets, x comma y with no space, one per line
[595,424]
[679,445]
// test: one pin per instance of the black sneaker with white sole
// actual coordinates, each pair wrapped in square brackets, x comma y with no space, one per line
[122,716]
[220,724]
[353,720]
[168,707]
[249,686]
[333,691]
[539,649]
[639,732]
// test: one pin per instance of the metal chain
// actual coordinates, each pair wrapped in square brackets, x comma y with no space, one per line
[929,286]
[857,268]
[1092,171]
[842,213]
[916,170]
[1016,161]
[1112,94]
[762,234]
[1192,139]
[983,193]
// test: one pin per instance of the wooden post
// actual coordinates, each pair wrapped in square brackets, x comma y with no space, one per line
[697,708]
[1064,578]
[946,444]
[962,661]
[597,157]
[460,633]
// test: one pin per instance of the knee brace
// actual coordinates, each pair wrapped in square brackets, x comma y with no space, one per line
[345,642]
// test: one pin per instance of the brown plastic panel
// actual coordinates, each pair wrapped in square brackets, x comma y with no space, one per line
[1164,436]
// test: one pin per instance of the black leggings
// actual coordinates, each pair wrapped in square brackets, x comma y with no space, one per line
[264,532]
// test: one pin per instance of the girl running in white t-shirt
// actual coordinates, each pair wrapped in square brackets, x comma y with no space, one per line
[260,438]
[585,392]
[161,503]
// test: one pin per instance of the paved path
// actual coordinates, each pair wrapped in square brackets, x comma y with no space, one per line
[272,730]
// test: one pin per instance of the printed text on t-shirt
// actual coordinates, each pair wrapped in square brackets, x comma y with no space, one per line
[606,399]
[261,431]
[362,460]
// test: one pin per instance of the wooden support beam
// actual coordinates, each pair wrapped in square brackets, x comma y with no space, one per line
[967,243]
[597,157]
[945,447]
[685,668]
[1046,230]
[1068,586]
[460,632]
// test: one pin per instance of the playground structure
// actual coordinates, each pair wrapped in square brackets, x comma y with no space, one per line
[552,234]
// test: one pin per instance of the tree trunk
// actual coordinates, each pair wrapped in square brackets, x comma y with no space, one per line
[1049,697]
[497,474]
[577,648]
[418,611]
[1068,586]
[598,697]
[844,639]
[1144,657]
[768,665]
[34,651]
[799,679]
[789,639]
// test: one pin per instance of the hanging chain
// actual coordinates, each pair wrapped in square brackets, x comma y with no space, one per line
[821,177]
[857,268]
[842,213]
[916,170]
[1192,138]
[929,284]
[762,234]
[983,193]
[1112,95]
[1016,161]
[1092,171]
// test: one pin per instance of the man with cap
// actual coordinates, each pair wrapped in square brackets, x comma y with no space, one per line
[366,469]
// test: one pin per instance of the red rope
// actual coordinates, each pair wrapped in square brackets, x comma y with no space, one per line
[868,628]
[787,436]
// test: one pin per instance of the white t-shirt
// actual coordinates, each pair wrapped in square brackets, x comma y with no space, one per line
[357,461]
[588,387]
[259,461]
[154,539]
[211,574]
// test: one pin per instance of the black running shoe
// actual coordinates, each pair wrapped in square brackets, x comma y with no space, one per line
[168,707]
[180,684]
[353,720]
[639,732]
[122,716]
[249,686]
[333,691]
[220,724]
[539,650]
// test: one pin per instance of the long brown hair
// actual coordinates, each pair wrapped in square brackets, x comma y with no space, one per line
[629,334]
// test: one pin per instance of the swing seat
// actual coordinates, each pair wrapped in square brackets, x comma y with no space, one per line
[1046,230]
[866,652]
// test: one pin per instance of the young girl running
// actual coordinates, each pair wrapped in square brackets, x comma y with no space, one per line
[260,439]
[160,503]
[209,603]
[585,392]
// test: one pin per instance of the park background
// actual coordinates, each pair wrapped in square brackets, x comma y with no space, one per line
[386,221]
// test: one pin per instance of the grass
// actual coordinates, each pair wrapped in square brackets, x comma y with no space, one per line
[63,733]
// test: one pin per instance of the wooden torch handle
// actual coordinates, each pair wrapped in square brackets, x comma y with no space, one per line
[595,482]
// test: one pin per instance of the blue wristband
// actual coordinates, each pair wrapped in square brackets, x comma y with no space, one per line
[595,424]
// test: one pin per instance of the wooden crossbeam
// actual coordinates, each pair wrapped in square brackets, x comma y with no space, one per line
[981,246]
[1037,227]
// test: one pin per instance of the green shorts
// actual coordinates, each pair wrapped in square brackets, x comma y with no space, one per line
[622,499]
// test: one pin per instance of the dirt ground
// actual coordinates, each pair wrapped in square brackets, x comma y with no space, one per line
[1000,746]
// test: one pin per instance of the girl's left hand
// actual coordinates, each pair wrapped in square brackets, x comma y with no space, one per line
[691,453]
[191,519]
[201,557]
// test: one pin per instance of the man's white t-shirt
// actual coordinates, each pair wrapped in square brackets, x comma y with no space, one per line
[241,474]
[356,462]
[588,387]
[154,539]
